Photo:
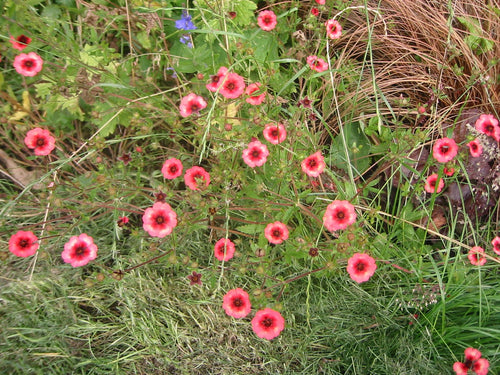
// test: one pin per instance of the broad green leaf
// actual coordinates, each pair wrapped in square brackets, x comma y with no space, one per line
[245,12]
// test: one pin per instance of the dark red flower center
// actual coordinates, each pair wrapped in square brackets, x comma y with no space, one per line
[173,169]
[360,267]
[444,149]
[24,242]
[160,219]
[312,163]
[230,86]
[340,215]
[275,133]
[40,142]
[215,78]
[489,129]
[432,183]
[277,233]
[267,322]
[80,250]
[195,107]
[313,251]
[237,302]
[255,153]
[267,20]
[28,64]
[473,147]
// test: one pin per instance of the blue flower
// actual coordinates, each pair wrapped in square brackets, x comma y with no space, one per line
[186,39]
[185,22]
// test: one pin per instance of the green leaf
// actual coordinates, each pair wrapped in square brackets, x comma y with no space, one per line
[250,229]
[244,12]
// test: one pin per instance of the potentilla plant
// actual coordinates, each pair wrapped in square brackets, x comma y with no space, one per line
[223,140]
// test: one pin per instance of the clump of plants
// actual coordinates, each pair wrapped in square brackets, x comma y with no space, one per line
[224,186]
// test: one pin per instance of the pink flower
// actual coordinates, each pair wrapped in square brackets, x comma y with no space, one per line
[472,354]
[430,184]
[475,148]
[339,215]
[224,249]
[472,361]
[267,20]
[40,140]
[333,29]
[315,12]
[476,256]
[21,42]
[268,323]
[255,155]
[276,232]
[216,79]
[317,64]
[23,244]
[481,366]
[79,250]
[496,245]
[361,267]
[254,100]
[232,86]
[320,2]
[190,104]
[196,177]
[488,124]
[460,368]
[236,303]
[314,164]
[159,220]
[274,134]
[444,150]
[172,168]
[28,65]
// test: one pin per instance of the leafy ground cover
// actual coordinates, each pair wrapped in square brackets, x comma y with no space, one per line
[240,187]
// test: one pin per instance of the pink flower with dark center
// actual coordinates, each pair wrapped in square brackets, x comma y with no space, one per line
[460,368]
[314,164]
[315,12]
[481,366]
[21,42]
[306,102]
[255,155]
[496,245]
[257,99]
[79,250]
[194,278]
[172,168]
[321,2]
[361,267]
[232,86]
[267,20]
[274,134]
[488,124]
[196,177]
[475,148]
[444,150]
[216,79]
[276,232]
[333,29]
[472,354]
[224,249]
[476,256]
[268,323]
[28,65]
[317,64]
[190,104]
[339,215]
[430,184]
[159,220]
[23,244]
[40,140]
[236,303]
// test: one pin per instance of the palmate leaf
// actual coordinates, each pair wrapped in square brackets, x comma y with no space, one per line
[475,40]
[244,12]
